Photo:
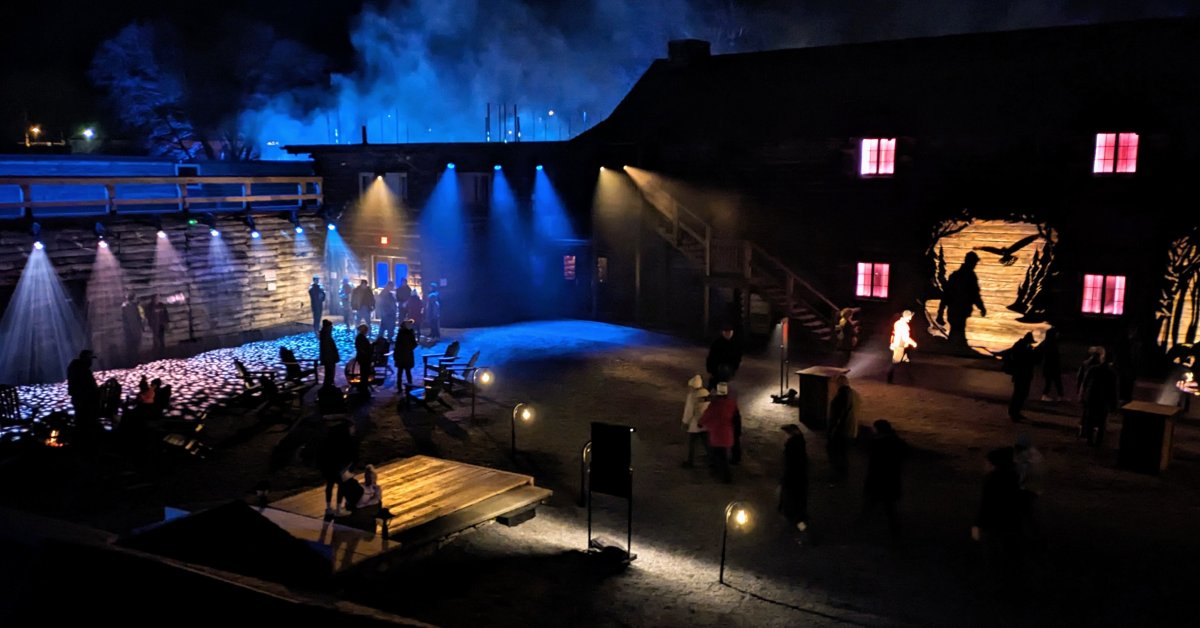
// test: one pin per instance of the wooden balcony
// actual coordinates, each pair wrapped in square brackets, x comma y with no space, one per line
[49,197]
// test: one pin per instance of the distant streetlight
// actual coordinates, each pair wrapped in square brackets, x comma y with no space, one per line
[525,413]
[88,134]
[741,516]
[35,131]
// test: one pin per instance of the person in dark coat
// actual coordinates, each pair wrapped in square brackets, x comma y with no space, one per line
[1051,366]
[345,296]
[402,294]
[882,486]
[433,312]
[406,342]
[385,306]
[362,299]
[839,430]
[328,354]
[793,486]
[1098,392]
[724,356]
[133,323]
[84,392]
[364,354]
[316,300]
[414,310]
[1019,361]
[998,524]
[159,319]
[337,453]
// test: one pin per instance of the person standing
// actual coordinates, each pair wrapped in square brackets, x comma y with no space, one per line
[316,300]
[133,323]
[693,408]
[414,309]
[433,311]
[84,392]
[717,420]
[158,319]
[793,486]
[1019,361]
[362,299]
[998,524]
[882,486]
[385,305]
[338,452]
[364,354]
[724,356]
[406,343]
[345,297]
[901,342]
[842,429]
[1098,392]
[328,356]
[402,293]
[1051,366]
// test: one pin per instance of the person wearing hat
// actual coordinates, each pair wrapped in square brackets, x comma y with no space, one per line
[901,342]
[406,343]
[693,408]
[316,300]
[724,356]
[793,486]
[84,392]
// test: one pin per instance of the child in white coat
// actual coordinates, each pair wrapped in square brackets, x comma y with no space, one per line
[693,408]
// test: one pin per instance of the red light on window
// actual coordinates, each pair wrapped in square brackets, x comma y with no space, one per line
[878,157]
[1115,152]
[872,280]
[383,240]
[1103,294]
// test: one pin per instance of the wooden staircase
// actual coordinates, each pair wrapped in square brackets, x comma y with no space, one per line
[741,262]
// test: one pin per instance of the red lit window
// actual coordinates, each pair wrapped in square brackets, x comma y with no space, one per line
[1104,294]
[1115,152]
[872,281]
[878,157]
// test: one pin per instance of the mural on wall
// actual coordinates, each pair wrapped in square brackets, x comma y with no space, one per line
[1179,304]
[989,279]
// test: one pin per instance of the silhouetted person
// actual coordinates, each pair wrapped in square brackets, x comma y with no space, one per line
[84,392]
[959,297]
[328,354]
[724,356]
[406,343]
[385,305]
[433,312]
[158,319]
[338,451]
[316,300]
[793,486]
[414,310]
[402,294]
[362,299]
[1051,366]
[1019,361]
[364,354]
[133,323]
[901,342]
[840,430]
[882,486]
[998,524]
[1098,392]
[345,296]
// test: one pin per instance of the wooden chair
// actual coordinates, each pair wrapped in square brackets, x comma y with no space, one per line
[461,373]
[437,360]
[428,393]
[297,369]
[381,361]
[110,401]
[16,417]
[251,380]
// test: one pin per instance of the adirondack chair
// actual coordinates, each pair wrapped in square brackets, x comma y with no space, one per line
[252,386]
[297,369]
[435,361]
[462,373]
[16,417]
[428,393]
[381,361]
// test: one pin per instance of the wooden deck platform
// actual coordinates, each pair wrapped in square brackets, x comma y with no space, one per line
[429,498]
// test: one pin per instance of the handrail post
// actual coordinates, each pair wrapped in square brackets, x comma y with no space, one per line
[110,205]
[181,194]
[246,185]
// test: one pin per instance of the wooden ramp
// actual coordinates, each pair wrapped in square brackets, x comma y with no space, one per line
[429,498]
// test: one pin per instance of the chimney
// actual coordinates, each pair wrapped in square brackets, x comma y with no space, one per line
[685,52]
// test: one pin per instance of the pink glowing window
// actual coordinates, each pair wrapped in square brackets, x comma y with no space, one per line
[872,281]
[1115,152]
[1104,294]
[878,157]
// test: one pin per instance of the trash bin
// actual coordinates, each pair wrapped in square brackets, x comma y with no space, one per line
[1147,431]
[817,388]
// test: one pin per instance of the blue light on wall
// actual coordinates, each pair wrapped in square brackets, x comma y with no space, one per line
[450,166]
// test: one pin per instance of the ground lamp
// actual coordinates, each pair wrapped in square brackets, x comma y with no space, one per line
[523,412]
[740,516]
[479,377]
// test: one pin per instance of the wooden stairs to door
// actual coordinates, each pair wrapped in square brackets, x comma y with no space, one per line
[743,261]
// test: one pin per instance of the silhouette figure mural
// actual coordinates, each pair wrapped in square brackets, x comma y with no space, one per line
[997,293]
[1179,303]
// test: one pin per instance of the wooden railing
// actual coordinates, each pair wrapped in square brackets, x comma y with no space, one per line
[684,224]
[111,194]
[797,290]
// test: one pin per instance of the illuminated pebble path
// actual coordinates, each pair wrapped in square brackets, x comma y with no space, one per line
[197,383]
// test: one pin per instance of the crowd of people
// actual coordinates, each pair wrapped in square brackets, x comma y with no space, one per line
[391,304]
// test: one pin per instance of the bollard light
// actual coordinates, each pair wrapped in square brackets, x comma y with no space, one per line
[524,413]
[740,515]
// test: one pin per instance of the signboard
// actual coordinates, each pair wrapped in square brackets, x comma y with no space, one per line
[612,459]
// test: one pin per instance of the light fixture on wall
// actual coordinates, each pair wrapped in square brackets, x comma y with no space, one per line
[254,233]
[101,231]
[35,230]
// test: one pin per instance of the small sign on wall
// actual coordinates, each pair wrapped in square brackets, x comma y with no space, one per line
[270,276]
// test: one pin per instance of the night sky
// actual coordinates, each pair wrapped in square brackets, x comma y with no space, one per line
[461,62]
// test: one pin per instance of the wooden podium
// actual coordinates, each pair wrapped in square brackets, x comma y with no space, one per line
[1146,435]
[818,385]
